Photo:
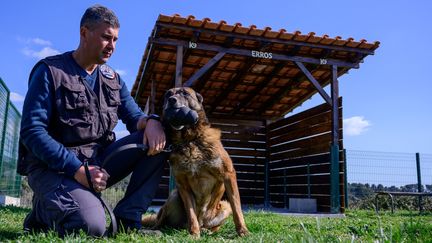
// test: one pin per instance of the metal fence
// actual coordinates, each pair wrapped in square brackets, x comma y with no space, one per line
[10,118]
[377,170]
[403,174]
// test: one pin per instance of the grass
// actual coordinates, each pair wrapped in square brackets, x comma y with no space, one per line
[357,226]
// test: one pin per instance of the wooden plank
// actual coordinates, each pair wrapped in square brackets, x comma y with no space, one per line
[303,124]
[315,159]
[302,170]
[301,134]
[302,189]
[300,152]
[248,176]
[249,168]
[243,144]
[250,123]
[300,116]
[246,160]
[250,184]
[244,137]
[252,153]
[302,179]
[303,143]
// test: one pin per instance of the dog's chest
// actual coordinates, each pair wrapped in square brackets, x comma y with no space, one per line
[194,161]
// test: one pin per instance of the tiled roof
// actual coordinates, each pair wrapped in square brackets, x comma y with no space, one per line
[257,75]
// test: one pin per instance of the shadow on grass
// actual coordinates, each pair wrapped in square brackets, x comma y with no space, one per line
[11,235]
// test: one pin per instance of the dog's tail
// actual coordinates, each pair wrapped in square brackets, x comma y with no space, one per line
[149,221]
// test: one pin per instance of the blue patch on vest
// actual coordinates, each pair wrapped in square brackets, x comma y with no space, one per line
[107,72]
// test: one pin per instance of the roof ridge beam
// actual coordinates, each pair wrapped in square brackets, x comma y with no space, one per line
[249,53]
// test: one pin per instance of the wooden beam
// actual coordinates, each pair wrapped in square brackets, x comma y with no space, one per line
[264,39]
[252,53]
[315,83]
[146,65]
[193,80]
[179,66]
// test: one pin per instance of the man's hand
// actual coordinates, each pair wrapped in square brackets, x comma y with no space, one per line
[154,137]
[98,175]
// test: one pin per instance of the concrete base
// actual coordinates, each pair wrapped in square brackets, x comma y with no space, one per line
[7,200]
[302,205]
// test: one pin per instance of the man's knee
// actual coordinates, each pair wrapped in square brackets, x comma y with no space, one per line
[90,221]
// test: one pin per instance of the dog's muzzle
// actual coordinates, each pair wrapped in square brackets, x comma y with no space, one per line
[180,117]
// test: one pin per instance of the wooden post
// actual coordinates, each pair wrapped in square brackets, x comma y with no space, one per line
[179,67]
[334,150]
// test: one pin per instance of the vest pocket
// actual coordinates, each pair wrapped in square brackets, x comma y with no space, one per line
[74,96]
[111,89]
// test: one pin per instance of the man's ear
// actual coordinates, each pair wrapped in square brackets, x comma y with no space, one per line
[199,97]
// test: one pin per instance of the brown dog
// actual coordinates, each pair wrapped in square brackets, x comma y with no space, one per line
[203,171]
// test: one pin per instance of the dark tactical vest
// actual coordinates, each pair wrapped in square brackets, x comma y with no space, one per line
[82,120]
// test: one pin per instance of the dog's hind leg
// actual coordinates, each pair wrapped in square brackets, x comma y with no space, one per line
[223,212]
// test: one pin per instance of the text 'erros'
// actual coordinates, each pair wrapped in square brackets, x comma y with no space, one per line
[260,54]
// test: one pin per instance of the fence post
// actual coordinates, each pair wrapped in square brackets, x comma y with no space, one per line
[334,179]
[419,183]
[345,178]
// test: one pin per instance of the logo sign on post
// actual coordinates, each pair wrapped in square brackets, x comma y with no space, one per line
[192,45]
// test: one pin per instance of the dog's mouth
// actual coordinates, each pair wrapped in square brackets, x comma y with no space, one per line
[180,117]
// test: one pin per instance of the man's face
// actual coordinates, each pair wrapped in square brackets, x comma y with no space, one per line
[100,42]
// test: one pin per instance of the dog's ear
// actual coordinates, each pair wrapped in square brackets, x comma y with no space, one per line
[199,97]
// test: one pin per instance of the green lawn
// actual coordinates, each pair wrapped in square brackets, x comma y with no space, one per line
[358,226]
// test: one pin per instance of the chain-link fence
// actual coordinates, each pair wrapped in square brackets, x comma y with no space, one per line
[369,172]
[10,182]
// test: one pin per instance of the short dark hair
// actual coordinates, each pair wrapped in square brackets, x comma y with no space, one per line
[98,14]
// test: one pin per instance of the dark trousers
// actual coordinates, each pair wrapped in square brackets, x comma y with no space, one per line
[62,204]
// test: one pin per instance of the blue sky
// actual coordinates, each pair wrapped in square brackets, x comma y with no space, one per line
[387,102]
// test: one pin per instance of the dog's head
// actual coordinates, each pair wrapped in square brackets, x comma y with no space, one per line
[182,107]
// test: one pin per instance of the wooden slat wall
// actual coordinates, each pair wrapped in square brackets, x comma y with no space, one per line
[295,142]
[245,142]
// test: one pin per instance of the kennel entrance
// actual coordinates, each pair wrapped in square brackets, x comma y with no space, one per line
[250,79]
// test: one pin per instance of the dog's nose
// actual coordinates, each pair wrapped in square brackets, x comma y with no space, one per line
[172,100]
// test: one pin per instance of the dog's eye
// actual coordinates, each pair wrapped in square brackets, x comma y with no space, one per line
[168,94]
[185,93]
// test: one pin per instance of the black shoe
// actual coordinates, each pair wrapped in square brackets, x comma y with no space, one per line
[31,225]
[127,225]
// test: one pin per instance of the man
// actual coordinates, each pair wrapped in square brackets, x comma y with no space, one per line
[72,106]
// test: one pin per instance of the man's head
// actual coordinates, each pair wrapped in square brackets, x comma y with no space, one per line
[99,29]
[98,14]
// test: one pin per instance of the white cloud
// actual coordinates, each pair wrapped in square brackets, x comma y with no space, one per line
[121,133]
[121,72]
[355,125]
[40,41]
[46,51]
[15,97]
[37,41]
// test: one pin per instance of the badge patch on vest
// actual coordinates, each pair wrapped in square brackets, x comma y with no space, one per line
[107,72]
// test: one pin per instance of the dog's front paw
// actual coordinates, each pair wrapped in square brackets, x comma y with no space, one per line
[242,231]
[195,236]
[195,232]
